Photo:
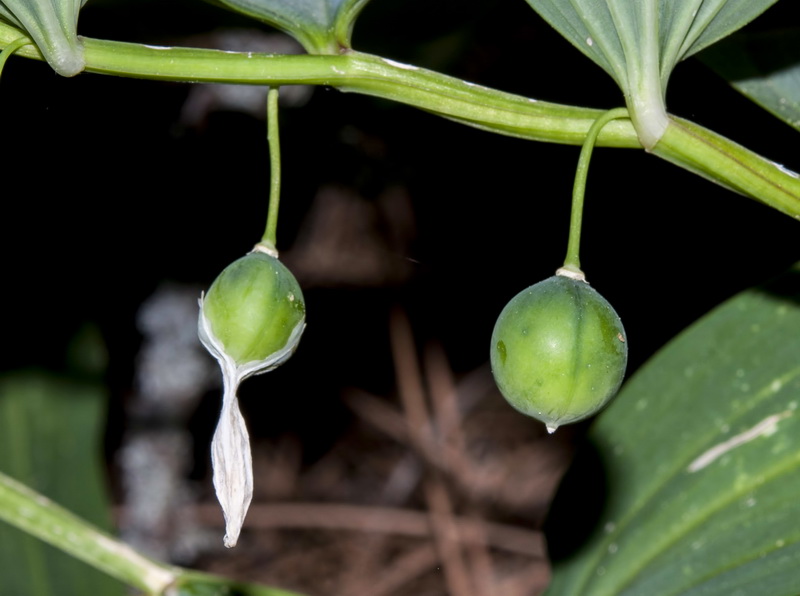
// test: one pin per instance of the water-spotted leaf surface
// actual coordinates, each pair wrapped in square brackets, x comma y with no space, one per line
[321,26]
[691,478]
[51,440]
[53,26]
[764,67]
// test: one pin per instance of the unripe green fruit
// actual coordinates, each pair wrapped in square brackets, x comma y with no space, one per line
[558,351]
[253,307]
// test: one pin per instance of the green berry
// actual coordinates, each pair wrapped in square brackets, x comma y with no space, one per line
[253,308]
[558,351]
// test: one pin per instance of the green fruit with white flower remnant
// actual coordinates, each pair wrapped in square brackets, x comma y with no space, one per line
[254,309]
[558,351]
[251,321]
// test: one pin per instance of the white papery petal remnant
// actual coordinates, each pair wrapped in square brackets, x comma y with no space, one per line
[231,459]
[233,466]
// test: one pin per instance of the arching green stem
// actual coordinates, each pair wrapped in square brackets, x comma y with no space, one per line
[10,49]
[35,514]
[688,145]
[38,516]
[572,263]
[273,137]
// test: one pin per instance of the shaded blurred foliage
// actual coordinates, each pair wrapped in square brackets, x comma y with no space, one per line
[106,195]
[51,428]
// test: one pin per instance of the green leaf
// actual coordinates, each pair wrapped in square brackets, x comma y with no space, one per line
[714,20]
[50,439]
[639,43]
[589,26]
[52,25]
[321,26]
[616,33]
[690,483]
[764,67]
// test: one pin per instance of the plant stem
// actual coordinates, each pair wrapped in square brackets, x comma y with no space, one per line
[688,145]
[273,137]
[572,262]
[37,515]
[471,104]
[716,158]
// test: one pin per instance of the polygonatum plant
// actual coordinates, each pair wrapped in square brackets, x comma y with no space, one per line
[696,461]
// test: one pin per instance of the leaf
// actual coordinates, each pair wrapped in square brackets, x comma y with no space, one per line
[716,19]
[50,439]
[690,485]
[321,26]
[765,68]
[590,27]
[52,25]
[615,33]
[639,43]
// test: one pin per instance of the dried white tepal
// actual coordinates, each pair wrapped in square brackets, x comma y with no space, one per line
[251,321]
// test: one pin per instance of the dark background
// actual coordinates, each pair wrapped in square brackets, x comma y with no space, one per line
[105,196]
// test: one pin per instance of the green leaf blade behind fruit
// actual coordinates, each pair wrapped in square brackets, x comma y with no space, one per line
[697,464]
[321,26]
